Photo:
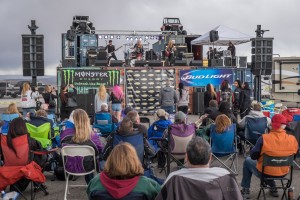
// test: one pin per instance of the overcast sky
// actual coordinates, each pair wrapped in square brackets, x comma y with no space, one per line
[197,16]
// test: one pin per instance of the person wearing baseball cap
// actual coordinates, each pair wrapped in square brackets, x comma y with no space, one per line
[276,143]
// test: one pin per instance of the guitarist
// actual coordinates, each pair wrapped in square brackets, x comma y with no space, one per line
[111,51]
[169,53]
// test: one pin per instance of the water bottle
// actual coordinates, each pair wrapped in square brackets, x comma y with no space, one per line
[2,194]
[291,195]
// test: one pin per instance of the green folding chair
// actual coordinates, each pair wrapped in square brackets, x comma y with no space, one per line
[41,133]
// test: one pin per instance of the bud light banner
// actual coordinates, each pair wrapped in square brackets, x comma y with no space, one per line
[203,77]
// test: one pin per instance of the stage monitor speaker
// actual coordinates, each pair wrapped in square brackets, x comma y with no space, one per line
[154,63]
[71,35]
[151,55]
[216,62]
[68,63]
[101,55]
[243,62]
[90,61]
[101,63]
[116,63]
[196,63]
[140,63]
[180,63]
[213,36]
[230,62]
[198,102]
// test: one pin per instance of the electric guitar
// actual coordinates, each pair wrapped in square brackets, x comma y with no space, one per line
[111,53]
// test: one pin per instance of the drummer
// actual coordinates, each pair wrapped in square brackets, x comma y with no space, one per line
[139,50]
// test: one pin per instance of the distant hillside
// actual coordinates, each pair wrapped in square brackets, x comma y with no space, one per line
[48,80]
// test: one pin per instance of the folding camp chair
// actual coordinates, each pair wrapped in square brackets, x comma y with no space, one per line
[254,128]
[103,122]
[224,145]
[7,118]
[145,120]
[41,133]
[73,151]
[273,161]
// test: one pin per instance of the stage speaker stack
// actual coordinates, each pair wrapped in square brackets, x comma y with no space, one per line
[198,102]
[116,63]
[140,63]
[180,63]
[101,63]
[217,62]
[262,56]
[196,63]
[154,63]
[242,62]
[213,36]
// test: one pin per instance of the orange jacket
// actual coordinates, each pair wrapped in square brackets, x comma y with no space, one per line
[11,174]
[277,143]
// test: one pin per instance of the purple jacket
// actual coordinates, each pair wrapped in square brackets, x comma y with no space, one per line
[78,163]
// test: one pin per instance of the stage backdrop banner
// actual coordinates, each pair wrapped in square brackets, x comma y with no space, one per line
[85,79]
[203,77]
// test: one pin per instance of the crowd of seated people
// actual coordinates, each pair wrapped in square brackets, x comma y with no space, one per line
[121,162]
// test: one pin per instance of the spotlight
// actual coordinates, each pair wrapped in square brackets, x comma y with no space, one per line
[141,38]
[100,36]
[146,37]
[106,37]
[118,37]
[136,38]
[152,37]
[131,38]
[127,38]
[111,37]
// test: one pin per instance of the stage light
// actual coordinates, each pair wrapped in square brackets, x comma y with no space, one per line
[118,37]
[152,37]
[131,38]
[146,37]
[100,36]
[127,38]
[136,38]
[111,37]
[141,38]
[106,37]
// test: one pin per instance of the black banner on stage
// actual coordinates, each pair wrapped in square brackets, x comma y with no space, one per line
[85,79]
[143,88]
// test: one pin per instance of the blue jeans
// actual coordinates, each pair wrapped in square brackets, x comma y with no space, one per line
[116,107]
[168,109]
[249,168]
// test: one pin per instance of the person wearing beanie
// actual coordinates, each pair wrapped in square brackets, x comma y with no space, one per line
[276,143]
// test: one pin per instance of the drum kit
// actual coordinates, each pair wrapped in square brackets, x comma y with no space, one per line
[130,55]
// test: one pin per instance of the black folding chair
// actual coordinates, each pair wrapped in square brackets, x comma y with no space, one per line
[145,120]
[274,161]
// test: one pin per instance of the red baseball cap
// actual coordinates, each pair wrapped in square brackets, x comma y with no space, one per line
[278,120]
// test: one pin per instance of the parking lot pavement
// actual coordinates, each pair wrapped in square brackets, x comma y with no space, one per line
[57,188]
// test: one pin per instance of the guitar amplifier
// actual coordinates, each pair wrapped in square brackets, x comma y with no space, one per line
[101,55]
[216,62]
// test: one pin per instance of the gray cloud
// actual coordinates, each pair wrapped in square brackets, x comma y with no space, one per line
[54,17]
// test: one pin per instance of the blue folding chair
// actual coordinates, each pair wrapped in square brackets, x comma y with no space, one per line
[7,118]
[254,128]
[224,145]
[103,122]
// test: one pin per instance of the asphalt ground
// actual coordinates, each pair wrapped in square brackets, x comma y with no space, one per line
[56,188]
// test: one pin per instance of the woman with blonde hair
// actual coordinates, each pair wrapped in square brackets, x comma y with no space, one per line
[81,134]
[169,52]
[100,98]
[222,123]
[139,50]
[12,109]
[49,98]
[28,103]
[123,175]
[116,98]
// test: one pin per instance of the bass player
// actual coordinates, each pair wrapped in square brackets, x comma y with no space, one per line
[169,53]
[111,51]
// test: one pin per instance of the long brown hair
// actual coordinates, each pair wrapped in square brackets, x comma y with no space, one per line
[210,89]
[123,162]
[62,95]
[102,92]
[82,124]
[222,123]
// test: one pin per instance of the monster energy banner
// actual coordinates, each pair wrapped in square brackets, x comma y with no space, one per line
[143,88]
[85,79]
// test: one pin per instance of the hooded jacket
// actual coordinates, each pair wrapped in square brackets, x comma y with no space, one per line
[168,96]
[253,114]
[184,100]
[121,188]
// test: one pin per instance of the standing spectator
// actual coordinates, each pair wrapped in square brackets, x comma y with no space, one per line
[245,102]
[48,95]
[183,99]
[28,103]
[209,95]
[276,143]
[236,97]
[225,93]
[100,98]
[116,98]
[122,175]
[82,134]
[65,109]
[168,98]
